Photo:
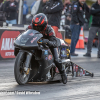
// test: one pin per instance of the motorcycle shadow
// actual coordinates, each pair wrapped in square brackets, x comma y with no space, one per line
[43,83]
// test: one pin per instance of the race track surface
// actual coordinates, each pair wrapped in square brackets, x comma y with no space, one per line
[80,88]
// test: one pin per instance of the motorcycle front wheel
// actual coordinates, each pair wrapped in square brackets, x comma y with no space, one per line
[21,76]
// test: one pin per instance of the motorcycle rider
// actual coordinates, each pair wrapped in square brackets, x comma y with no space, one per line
[40,23]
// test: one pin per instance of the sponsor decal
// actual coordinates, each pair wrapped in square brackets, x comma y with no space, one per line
[46,52]
[24,40]
[33,40]
[56,69]
[87,73]
[74,8]
[12,4]
[80,8]
[83,72]
[31,34]
[80,73]
[75,5]
[49,57]
[69,8]
[46,58]
[55,5]
[7,43]
[66,8]
[76,69]
[63,53]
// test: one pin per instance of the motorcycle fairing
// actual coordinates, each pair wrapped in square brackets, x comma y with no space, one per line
[28,39]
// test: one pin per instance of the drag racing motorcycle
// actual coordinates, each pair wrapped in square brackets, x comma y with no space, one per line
[34,61]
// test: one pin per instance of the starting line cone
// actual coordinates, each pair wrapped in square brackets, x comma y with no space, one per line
[80,43]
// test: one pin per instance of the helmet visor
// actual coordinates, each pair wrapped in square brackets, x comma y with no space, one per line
[38,28]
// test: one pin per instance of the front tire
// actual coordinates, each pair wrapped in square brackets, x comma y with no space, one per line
[19,73]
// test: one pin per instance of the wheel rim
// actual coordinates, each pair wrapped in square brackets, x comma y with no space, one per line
[23,77]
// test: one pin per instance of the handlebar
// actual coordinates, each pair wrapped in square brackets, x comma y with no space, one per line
[39,42]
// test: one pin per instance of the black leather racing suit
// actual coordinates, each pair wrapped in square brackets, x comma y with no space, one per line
[50,35]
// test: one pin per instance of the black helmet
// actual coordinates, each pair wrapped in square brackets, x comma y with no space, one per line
[39,22]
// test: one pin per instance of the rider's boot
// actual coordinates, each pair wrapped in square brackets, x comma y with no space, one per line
[59,65]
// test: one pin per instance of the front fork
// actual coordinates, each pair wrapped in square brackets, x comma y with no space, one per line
[27,62]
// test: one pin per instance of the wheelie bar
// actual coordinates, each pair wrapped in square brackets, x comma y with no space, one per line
[78,71]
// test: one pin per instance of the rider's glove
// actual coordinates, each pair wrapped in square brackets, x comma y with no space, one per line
[49,43]
[45,41]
